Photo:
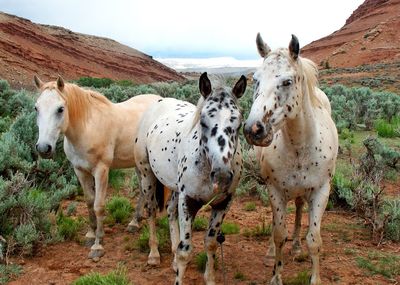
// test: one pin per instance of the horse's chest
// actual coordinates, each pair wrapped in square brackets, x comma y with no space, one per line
[295,171]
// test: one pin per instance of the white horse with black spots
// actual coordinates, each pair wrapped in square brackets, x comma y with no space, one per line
[291,120]
[195,152]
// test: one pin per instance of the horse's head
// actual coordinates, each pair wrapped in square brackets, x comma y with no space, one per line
[220,120]
[52,115]
[277,95]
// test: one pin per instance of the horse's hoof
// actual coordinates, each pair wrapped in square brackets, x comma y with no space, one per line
[95,254]
[132,228]
[153,261]
[89,242]
[276,280]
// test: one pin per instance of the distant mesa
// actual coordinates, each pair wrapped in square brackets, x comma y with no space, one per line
[27,48]
[370,35]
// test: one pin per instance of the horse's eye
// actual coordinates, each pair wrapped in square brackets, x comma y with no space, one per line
[60,110]
[287,82]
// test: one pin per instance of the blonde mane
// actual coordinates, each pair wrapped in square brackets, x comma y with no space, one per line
[310,73]
[80,102]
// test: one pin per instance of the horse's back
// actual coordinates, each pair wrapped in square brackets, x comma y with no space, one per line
[160,132]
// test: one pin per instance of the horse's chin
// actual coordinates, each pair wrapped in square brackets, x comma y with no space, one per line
[47,155]
[264,142]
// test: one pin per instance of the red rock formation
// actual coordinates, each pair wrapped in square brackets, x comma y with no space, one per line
[27,48]
[371,35]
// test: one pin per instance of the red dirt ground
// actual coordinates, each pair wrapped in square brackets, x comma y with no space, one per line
[343,235]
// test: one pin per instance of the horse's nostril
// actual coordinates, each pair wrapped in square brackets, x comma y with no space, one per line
[48,149]
[230,176]
[37,147]
[212,175]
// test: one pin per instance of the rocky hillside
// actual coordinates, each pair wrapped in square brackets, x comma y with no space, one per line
[371,35]
[27,48]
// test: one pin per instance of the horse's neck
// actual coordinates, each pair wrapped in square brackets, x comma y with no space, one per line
[301,130]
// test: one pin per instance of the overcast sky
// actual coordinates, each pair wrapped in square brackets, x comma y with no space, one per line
[185,28]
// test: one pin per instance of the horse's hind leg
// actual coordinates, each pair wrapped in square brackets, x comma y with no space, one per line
[87,183]
[101,183]
[134,224]
[296,247]
[214,228]
[172,210]
[317,204]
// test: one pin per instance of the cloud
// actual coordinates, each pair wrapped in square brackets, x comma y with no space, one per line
[178,28]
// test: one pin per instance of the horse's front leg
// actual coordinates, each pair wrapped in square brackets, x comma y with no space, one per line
[217,217]
[187,210]
[317,202]
[87,183]
[134,224]
[172,210]
[101,183]
[296,247]
[278,204]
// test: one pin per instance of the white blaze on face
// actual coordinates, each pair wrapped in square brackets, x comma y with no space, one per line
[50,109]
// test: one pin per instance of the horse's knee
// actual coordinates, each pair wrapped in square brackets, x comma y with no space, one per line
[184,252]
[314,242]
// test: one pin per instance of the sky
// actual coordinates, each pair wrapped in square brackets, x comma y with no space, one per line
[191,29]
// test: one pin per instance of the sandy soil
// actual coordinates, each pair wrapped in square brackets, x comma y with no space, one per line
[343,235]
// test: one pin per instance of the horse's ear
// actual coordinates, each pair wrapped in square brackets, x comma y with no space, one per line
[240,87]
[205,85]
[38,82]
[60,83]
[294,47]
[262,47]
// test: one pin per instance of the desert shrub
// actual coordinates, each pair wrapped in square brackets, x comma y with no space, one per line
[9,272]
[392,210]
[29,188]
[352,107]
[376,262]
[119,208]
[94,82]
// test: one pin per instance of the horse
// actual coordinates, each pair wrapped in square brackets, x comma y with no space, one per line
[290,119]
[98,135]
[195,152]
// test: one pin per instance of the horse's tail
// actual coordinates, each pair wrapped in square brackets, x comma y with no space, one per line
[160,197]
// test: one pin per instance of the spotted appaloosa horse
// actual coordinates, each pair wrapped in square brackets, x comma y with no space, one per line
[195,152]
[290,118]
[98,135]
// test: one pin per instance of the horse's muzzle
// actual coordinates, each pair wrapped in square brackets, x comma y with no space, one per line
[45,150]
[258,133]
[221,178]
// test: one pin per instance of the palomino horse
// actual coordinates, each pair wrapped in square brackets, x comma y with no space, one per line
[290,118]
[195,152]
[99,135]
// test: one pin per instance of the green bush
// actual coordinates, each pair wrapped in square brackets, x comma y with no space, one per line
[200,224]
[116,277]
[201,261]
[163,236]
[68,227]
[230,228]
[10,271]
[119,208]
[392,210]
